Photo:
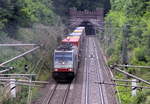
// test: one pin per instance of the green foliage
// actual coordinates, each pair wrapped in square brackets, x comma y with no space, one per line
[125,95]
[136,14]
[142,98]
[110,51]
[21,98]
[29,21]
[25,12]
[139,54]
[114,59]
[39,62]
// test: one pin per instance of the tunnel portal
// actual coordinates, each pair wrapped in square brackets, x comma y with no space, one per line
[92,20]
[89,28]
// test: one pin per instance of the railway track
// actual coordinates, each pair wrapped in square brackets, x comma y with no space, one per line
[94,93]
[56,94]
[100,76]
[107,75]
[95,70]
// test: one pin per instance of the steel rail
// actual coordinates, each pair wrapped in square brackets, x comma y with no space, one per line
[104,60]
[23,54]
[99,76]
[109,73]
[66,94]
[49,95]
[87,86]
[86,77]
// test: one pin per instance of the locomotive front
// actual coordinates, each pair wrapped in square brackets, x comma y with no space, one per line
[66,56]
[64,65]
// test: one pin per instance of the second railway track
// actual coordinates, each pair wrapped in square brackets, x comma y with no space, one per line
[93,93]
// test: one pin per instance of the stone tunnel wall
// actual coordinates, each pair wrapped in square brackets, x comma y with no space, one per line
[77,17]
[97,14]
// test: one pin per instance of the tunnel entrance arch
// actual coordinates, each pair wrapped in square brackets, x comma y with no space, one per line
[89,28]
[92,20]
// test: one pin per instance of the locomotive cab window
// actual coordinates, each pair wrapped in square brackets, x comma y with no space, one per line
[63,56]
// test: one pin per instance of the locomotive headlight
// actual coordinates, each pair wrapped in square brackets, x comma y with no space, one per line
[55,69]
[70,69]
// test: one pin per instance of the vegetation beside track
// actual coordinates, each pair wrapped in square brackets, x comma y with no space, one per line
[28,21]
[129,45]
[39,62]
[38,21]
[34,21]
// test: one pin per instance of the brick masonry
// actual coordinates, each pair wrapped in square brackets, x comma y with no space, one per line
[94,17]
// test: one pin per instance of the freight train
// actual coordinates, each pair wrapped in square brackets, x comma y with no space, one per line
[67,56]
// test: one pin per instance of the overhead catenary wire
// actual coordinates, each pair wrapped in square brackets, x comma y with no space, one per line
[29,83]
[6,70]
[25,53]
[14,77]
[11,45]
[133,76]
[37,64]
[134,66]
[18,74]
[25,81]
[22,84]
[123,80]
[123,85]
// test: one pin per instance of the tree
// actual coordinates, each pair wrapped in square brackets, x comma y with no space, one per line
[14,13]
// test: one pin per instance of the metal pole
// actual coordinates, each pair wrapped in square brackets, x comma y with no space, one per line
[5,70]
[15,77]
[18,74]
[26,81]
[133,83]
[122,80]
[122,85]
[12,87]
[133,76]
[133,66]
[10,45]
[19,56]
[29,94]
[22,84]
[26,84]
[124,45]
